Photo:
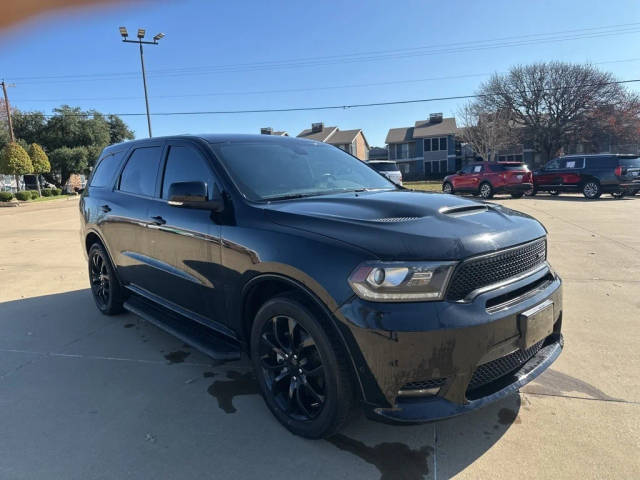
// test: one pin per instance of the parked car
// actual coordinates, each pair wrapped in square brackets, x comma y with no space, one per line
[592,175]
[387,168]
[488,178]
[344,288]
[30,182]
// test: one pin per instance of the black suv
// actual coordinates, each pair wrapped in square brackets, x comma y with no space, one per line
[344,288]
[592,175]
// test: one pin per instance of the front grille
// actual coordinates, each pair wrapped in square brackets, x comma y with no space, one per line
[496,267]
[500,367]
[424,384]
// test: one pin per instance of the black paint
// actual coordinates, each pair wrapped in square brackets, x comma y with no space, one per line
[177,357]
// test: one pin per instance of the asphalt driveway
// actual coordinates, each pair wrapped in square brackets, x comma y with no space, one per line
[86,396]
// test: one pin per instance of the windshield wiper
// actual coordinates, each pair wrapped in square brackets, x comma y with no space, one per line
[291,196]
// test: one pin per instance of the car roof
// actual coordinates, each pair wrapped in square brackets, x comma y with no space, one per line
[209,138]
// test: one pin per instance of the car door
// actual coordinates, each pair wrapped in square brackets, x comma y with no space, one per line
[571,172]
[462,180]
[185,242]
[125,221]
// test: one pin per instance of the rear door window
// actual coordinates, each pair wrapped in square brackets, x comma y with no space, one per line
[630,162]
[105,171]
[141,171]
[477,168]
[185,164]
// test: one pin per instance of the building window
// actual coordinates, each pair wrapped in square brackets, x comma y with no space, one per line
[435,144]
[443,143]
[403,150]
[405,168]
[427,145]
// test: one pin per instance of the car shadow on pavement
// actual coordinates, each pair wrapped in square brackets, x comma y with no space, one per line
[88,365]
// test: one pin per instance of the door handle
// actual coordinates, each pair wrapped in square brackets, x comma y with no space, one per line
[105,208]
[158,220]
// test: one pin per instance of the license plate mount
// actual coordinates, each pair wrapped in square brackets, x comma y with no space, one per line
[535,324]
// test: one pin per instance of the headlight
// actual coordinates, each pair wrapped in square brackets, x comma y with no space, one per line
[401,281]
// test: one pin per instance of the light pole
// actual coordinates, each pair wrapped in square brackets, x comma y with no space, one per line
[139,41]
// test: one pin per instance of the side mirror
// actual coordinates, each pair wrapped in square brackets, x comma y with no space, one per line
[193,195]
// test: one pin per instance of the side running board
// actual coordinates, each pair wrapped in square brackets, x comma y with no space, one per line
[190,332]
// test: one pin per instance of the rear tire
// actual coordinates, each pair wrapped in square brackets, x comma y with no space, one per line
[485,190]
[105,286]
[555,193]
[302,369]
[617,194]
[591,190]
[447,188]
[517,195]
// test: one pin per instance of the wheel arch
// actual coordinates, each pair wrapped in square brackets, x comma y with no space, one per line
[263,287]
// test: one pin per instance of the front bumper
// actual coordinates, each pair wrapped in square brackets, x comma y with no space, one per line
[402,343]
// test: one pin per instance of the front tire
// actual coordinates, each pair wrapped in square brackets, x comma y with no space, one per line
[591,190]
[486,190]
[105,286]
[617,194]
[302,369]
[447,188]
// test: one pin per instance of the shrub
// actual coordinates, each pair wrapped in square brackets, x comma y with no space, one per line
[56,191]
[5,196]
[14,160]
[24,195]
[34,194]
[46,192]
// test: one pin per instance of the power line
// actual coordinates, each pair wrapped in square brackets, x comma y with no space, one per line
[302,89]
[326,107]
[522,40]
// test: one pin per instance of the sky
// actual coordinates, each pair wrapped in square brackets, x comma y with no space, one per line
[249,55]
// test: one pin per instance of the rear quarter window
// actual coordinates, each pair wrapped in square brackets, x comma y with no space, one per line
[630,162]
[104,173]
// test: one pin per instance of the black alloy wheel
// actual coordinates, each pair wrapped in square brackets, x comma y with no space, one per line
[105,287]
[302,368]
[292,368]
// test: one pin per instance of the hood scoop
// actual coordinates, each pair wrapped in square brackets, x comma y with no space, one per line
[463,210]
[395,219]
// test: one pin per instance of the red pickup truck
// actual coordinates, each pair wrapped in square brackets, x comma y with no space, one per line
[487,178]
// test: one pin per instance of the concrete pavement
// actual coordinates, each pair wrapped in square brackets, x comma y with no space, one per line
[83,395]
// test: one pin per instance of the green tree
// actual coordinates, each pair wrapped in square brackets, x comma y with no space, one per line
[118,130]
[40,162]
[68,160]
[14,160]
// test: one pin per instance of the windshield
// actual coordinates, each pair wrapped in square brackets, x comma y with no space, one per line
[270,171]
[385,167]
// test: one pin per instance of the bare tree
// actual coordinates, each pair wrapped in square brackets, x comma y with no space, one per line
[486,131]
[552,101]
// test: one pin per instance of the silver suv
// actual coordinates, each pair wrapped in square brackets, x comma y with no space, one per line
[387,168]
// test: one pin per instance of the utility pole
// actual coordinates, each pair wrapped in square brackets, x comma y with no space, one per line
[10,122]
[140,42]
[8,109]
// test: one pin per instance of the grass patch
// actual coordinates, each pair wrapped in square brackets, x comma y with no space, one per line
[427,185]
[46,199]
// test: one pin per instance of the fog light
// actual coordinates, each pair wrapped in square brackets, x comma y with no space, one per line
[422,392]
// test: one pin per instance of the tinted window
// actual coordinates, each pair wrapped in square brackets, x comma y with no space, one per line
[467,169]
[435,143]
[184,164]
[630,162]
[601,162]
[443,143]
[553,164]
[427,145]
[509,167]
[264,171]
[140,173]
[106,170]
[385,167]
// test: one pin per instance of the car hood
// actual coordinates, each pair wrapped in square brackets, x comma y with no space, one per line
[409,225]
